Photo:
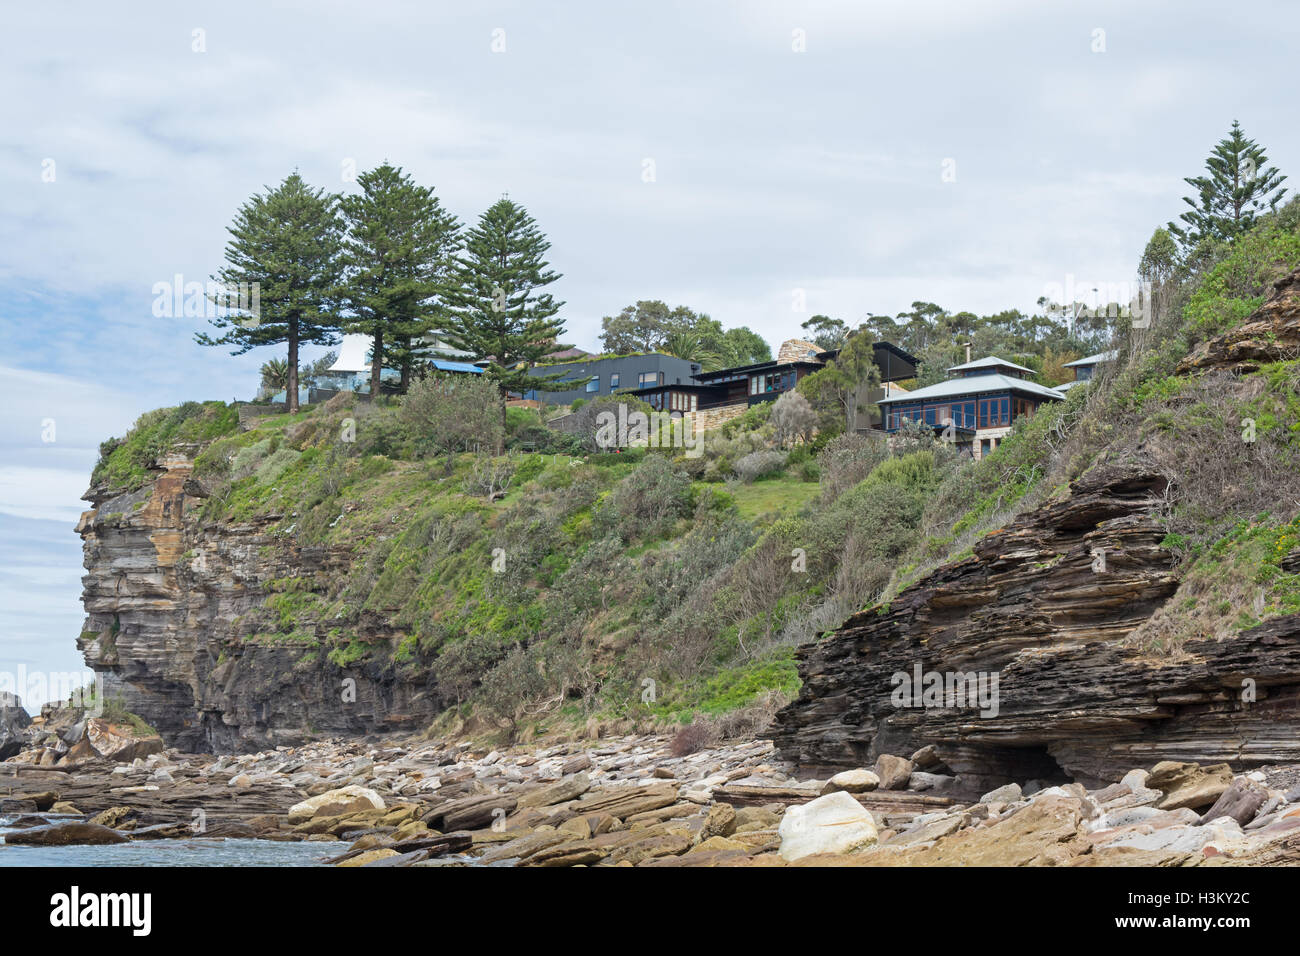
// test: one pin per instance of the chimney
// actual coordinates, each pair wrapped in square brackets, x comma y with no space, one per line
[968,352]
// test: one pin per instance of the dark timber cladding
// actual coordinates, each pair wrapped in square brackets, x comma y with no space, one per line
[762,381]
[596,376]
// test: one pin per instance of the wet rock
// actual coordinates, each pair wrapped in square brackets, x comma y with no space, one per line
[66,834]
[369,856]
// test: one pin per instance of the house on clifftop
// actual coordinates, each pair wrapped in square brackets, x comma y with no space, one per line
[974,408]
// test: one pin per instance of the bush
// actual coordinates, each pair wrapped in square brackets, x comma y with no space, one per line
[847,460]
[692,738]
[759,464]
[647,502]
[455,412]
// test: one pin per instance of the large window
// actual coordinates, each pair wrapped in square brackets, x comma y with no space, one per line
[646,379]
[995,412]
[772,382]
[613,381]
[594,384]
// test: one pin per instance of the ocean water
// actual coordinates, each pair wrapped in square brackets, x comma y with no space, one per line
[193,851]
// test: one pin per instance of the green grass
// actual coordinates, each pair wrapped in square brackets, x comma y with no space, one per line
[773,496]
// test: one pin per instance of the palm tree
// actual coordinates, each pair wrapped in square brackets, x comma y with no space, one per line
[689,346]
[275,375]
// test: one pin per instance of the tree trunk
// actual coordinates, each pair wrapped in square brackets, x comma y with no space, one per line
[291,390]
[376,364]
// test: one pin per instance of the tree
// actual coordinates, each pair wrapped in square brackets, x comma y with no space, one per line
[837,391]
[644,327]
[495,309]
[1237,188]
[688,345]
[653,326]
[740,346]
[310,374]
[275,375]
[828,334]
[285,244]
[1156,269]
[454,412]
[396,257]
[792,419]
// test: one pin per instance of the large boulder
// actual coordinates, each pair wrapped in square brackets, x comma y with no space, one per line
[1189,784]
[14,722]
[893,772]
[835,823]
[333,803]
[118,742]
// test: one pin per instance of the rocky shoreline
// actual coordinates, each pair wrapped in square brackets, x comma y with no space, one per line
[630,801]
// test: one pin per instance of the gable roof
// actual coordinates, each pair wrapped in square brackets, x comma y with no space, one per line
[975,385]
[1093,359]
[990,361]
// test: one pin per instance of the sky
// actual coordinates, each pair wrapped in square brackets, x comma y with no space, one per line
[759,161]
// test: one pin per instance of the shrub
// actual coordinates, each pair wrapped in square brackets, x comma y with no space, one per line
[692,738]
[648,501]
[455,412]
[847,460]
[759,464]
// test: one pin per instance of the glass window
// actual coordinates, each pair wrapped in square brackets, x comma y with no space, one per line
[613,381]
[594,384]
[646,379]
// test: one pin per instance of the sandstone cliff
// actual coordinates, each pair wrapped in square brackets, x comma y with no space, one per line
[164,595]
[1044,604]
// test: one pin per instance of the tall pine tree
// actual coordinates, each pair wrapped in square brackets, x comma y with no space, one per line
[496,310]
[1238,187]
[287,241]
[396,255]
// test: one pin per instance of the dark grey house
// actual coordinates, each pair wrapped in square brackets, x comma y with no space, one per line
[617,373]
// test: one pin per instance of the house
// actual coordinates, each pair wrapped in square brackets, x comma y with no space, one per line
[727,393]
[351,370]
[1086,367]
[975,407]
[594,376]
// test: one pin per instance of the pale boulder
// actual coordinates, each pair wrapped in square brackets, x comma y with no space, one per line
[835,823]
[349,799]
[852,781]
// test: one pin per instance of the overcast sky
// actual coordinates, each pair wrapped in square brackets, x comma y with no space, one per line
[740,158]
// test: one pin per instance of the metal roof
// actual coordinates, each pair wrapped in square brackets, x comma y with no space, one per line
[442,365]
[1093,359]
[975,385]
[991,361]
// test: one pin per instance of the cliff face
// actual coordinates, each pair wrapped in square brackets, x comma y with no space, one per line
[164,596]
[1043,605]
[1271,334]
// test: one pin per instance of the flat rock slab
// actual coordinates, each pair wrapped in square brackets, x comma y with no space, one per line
[66,834]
